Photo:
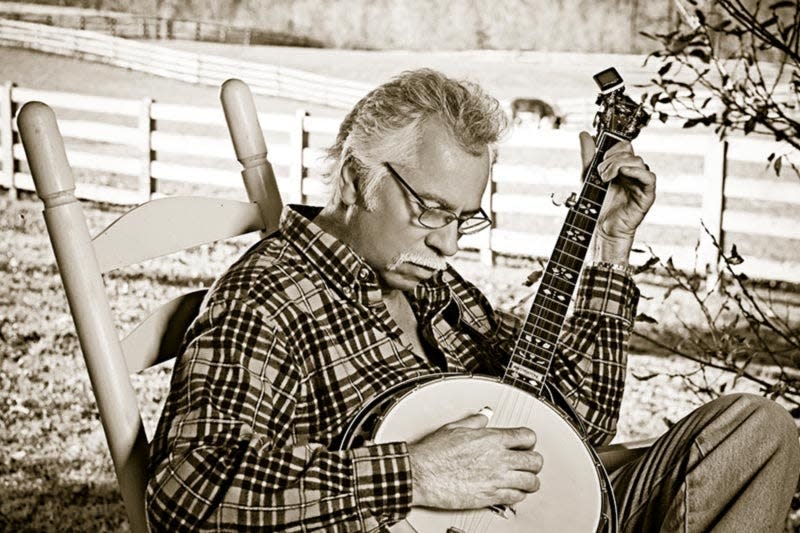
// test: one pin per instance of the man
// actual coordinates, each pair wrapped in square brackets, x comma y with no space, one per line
[346,301]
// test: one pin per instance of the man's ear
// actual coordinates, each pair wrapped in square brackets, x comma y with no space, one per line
[349,183]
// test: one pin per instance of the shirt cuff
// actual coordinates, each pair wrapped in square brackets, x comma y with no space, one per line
[383,479]
[609,292]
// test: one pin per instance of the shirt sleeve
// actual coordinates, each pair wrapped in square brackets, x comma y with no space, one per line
[591,358]
[224,455]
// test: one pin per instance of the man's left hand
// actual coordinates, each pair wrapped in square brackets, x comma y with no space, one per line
[630,194]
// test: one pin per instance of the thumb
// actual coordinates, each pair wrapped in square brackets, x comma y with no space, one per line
[477,421]
[587,149]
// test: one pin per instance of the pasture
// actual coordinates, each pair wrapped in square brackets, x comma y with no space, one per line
[55,473]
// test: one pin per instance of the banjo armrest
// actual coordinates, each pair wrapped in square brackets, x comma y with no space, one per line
[615,456]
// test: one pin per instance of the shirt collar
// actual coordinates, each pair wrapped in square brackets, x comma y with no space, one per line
[346,271]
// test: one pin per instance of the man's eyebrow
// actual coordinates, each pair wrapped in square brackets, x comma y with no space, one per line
[443,203]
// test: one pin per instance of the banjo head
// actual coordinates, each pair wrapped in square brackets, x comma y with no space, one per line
[570,498]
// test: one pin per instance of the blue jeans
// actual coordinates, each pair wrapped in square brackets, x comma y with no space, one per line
[731,465]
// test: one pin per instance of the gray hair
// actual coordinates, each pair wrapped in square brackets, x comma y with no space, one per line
[385,125]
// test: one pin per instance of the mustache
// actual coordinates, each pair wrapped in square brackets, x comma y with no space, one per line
[429,261]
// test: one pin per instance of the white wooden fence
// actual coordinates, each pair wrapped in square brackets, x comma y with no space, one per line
[149,26]
[263,79]
[153,155]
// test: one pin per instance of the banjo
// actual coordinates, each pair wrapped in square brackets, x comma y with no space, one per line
[574,494]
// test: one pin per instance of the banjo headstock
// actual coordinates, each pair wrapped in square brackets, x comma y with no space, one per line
[617,113]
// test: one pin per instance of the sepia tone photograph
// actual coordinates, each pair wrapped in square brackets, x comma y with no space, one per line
[400,266]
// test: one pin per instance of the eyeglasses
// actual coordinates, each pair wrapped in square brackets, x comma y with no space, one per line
[438,217]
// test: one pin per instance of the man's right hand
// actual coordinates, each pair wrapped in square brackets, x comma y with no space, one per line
[465,465]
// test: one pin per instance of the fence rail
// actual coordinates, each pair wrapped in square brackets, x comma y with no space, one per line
[190,67]
[136,26]
[152,156]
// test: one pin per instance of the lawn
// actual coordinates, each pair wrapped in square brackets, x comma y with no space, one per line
[55,472]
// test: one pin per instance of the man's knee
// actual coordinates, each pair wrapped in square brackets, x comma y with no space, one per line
[770,421]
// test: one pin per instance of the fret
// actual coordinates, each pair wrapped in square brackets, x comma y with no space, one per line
[538,367]
[533,334]
[554,287]
[549,295]
[537,341]
[535,329]
[532,376]
[572,258]
[546,323]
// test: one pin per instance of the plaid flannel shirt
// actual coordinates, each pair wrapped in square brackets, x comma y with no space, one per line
[291,342]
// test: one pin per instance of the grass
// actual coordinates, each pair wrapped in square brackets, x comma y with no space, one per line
[55,472]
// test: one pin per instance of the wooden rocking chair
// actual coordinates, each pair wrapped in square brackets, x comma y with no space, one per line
[153,229]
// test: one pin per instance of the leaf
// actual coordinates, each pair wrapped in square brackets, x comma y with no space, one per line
[700,54]
[691,123]
[644,377]
[533,277]
[663,117]
[654,98]
[783,3]
[770,21]
[750,125]
[665,68]
[647,319]
[701,17]
[777,165]
[650,262]
[735,258]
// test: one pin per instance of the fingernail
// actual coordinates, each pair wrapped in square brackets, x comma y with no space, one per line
[487,412]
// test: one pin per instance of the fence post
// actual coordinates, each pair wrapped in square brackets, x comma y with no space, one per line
[714,174]
[147,185]
[487,254]
[298,142]
[7,138]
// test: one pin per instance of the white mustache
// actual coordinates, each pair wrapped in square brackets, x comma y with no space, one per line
[428,261]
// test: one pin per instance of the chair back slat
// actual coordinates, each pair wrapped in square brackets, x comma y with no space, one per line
[157,338]
[140,234]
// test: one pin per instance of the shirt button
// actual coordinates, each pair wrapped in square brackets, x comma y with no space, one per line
[347,290]
[363,274]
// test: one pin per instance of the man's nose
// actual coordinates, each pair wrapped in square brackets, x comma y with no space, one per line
[445,239]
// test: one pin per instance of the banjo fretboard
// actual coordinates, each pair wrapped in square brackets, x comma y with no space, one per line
[536,345]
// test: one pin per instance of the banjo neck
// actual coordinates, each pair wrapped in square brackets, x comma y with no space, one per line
[535,347]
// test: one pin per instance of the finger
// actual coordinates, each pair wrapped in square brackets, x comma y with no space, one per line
[518,438]
[509,496]
[524,481]
[527,461]
[610,169]
[587,149]
[645,178]
[620,147]
[476,421]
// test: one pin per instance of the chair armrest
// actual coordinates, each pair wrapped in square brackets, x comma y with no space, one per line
[615,456]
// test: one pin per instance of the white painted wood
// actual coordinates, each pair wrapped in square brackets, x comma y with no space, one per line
[80,102]
[91,312]
[7,139]
[714,171]
[85,160]
[297,143]
[251,151]
[92,130]
[140,234]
